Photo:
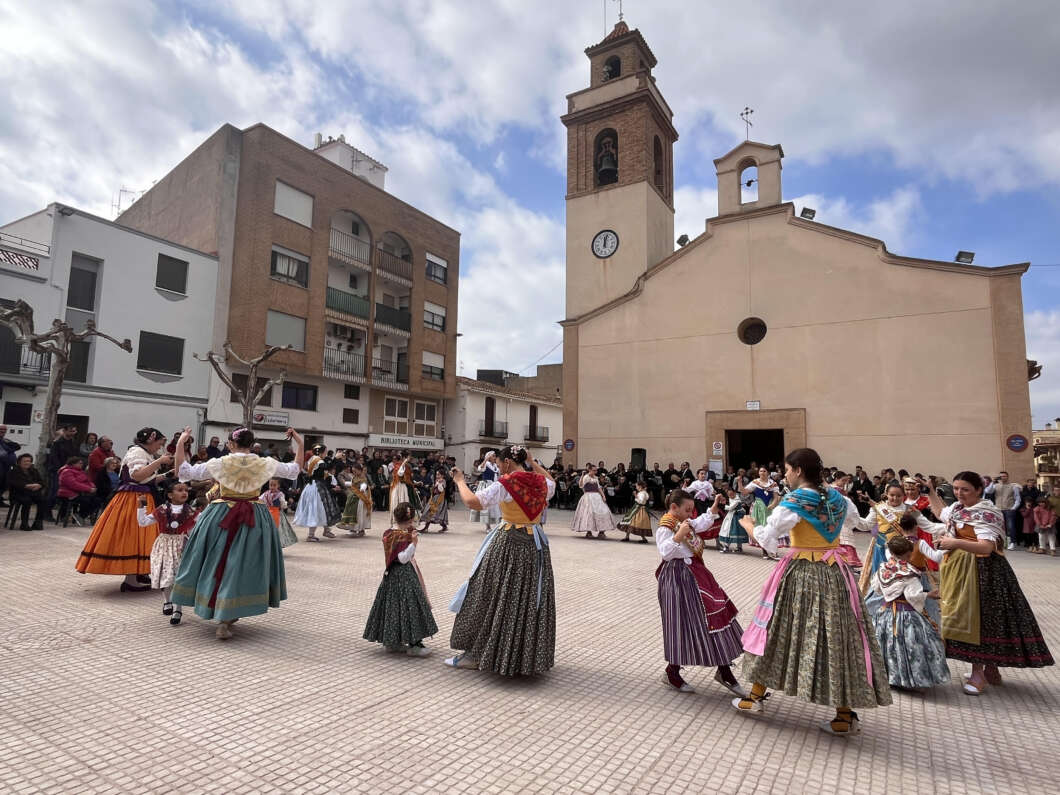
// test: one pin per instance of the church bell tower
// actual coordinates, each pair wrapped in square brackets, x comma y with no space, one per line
[620,213]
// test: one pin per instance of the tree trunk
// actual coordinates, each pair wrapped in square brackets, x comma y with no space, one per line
[56,377]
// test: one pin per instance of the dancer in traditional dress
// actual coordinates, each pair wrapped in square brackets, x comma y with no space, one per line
[487,472]
[986,619]
[732,533]
[118,545]
[909,639]
[401,615]
[276,502]
[357,515]
[173,520]
[592,514]
[638,520]
[701,491]
[765,495]
[698,618]
[811,636]
[316,504]
[403,487]
[232,566]
[437,508]
[506,611]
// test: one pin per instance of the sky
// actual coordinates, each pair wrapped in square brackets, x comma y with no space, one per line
[932,125]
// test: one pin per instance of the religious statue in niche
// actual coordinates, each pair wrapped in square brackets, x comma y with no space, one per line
[606,161]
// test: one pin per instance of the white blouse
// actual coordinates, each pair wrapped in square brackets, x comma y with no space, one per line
[674,550]
[146,519]
[700,489]
[783,519]
[406,554]
[495,493]
[136,458]
[642,498]
[871,521]
[241,472]
[983,517]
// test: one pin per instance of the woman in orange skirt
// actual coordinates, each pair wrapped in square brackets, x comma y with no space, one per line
[118,545]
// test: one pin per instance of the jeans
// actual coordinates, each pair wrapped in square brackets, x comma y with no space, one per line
[1013,525]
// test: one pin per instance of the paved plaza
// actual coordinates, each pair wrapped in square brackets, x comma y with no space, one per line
[98,693]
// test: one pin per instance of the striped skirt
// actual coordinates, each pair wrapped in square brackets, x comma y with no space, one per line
[699,621]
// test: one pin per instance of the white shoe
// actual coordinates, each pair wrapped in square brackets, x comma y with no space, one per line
[736,689]
[756,706]
[418,651]
[1011,545]
[223,631]
[460,661]
[684,688]
[855,727]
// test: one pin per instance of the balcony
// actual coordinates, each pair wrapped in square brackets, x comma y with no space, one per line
[347,303]
[386,372]
[535,433]
[344,247]
[28,365]
[344,365]
[395,318]
[393,268]
[493,430]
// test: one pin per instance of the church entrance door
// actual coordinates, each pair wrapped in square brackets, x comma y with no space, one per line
[735,438]
[760,446]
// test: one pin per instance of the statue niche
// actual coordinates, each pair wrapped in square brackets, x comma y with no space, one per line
[605,159]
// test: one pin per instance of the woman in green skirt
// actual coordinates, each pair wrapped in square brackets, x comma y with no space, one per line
[401,614]
[811,635]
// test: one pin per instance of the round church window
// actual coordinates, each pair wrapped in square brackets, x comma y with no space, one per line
[751,331]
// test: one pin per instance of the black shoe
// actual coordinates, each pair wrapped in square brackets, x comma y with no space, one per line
[38,525]
[25,527]
[126,587]
[144,578]
[167,608]
[176,618]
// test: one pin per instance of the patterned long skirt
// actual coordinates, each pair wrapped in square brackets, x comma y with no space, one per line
[501,623]
[687,635]
[118,545]
[911,647]
[165,558]
[1009,633]
[637,522]
[401,614]
[279,518]
[592,515]
[814,646]
[437,510]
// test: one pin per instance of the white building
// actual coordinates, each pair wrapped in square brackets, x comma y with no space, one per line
[71,265]
[486,416]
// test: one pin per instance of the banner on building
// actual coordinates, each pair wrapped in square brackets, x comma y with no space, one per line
[395,442]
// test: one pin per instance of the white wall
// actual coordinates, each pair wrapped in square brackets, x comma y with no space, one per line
[466,411]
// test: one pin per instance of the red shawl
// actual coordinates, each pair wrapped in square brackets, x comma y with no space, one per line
[395,540]
[529,491]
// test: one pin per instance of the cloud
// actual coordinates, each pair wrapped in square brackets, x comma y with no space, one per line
[1043,345]
[692,207]
[888,218]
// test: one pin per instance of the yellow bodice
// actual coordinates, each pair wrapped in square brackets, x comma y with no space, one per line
[513,514]
[808,544]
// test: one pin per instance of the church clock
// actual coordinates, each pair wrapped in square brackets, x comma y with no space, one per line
[605,243]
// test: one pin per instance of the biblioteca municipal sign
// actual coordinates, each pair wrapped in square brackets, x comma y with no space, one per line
[403,442]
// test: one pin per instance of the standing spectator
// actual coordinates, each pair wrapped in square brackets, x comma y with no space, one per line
[62,449]
[27,489]
[104,450]
[8,448]
[1045,520]
[213,449]
[88,445]
[1007,499]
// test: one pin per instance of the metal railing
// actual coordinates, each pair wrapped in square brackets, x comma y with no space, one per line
[348,248]
[390,371]
[344,365]
[535,433]
[396,318]
[351,304]
[387,263]
[27,363]
[494,430]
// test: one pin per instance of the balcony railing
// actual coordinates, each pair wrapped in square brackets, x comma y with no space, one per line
[535,433]
[348,248]
[493,430]
[395,318]
[344,365]
[388,264]
[351,304]
[25,362]
[389,371]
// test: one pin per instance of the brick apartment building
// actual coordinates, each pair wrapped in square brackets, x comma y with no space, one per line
[313,252]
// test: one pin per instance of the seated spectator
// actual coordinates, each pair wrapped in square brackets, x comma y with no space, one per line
[75,485]
[107,480]
[27,488]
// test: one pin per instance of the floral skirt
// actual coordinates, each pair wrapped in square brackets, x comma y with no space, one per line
[118,545]
[400,614]
[911,647]
[165,558]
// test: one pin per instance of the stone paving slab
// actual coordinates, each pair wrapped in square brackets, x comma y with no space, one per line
[98,693]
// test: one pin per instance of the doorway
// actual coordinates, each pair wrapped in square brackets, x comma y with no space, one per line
[760,445]
[80,420]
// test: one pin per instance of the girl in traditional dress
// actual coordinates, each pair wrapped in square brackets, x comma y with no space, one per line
[732,533]
[403,487]
[117,544]
[232,566]
[811,636]
[401,616]
[275,500]
[986,619]
[357,515]
[698,618]
[909,639]
[316,505]
[487,472]
[638,520]
[506,611]
[173,519]
[765,494]
[592,514]
[701,491]
[437,508]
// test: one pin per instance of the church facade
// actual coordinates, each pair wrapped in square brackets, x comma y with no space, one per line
[767,331]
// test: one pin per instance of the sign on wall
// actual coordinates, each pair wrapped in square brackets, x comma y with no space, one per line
[273,418]
[716,449]
[1017,443]
[393,441]
[568,445]
[754,405]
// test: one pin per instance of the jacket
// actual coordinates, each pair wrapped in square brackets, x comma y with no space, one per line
[73,482]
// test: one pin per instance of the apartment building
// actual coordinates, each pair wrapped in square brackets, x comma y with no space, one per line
[317,255]
[71,265]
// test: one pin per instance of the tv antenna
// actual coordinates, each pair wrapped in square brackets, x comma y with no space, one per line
[118,202]
[745,115]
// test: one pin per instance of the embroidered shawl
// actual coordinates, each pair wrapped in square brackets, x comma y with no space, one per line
[395,540]
[984,516]
[825,515]
[529,491]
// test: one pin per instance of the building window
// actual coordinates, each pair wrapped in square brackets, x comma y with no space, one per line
[283,329]
[437,269]
[81,293]
[289,266]
[426,422]
[433,316]
[395,415]
[17,413]
[751,331]
[240,380]
[433,366]
[172,274]
[353,281]
[77,370]
[292,203]
[351,392]
[160,353]
[351,416]
[299,396]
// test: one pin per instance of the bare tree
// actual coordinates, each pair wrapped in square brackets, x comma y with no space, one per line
[55,342]
[251,395]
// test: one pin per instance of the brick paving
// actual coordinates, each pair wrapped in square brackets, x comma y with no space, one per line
[98,693]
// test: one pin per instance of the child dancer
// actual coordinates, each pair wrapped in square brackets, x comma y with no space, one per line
[1045,520]
[487,472]
[638,520]
[732,532]
[910,641]
[174,519]
[357,515]
[437,509]
[698,618]
[277,505]
[401,614]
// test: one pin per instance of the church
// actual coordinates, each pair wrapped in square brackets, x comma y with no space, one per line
[768,331]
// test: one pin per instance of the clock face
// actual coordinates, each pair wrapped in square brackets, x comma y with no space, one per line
[605,243]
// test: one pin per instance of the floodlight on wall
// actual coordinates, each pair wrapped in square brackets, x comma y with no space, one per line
[808,213]
[965,257]
[682,241]
[67,211]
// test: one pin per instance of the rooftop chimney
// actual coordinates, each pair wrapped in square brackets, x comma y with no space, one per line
[318,139]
